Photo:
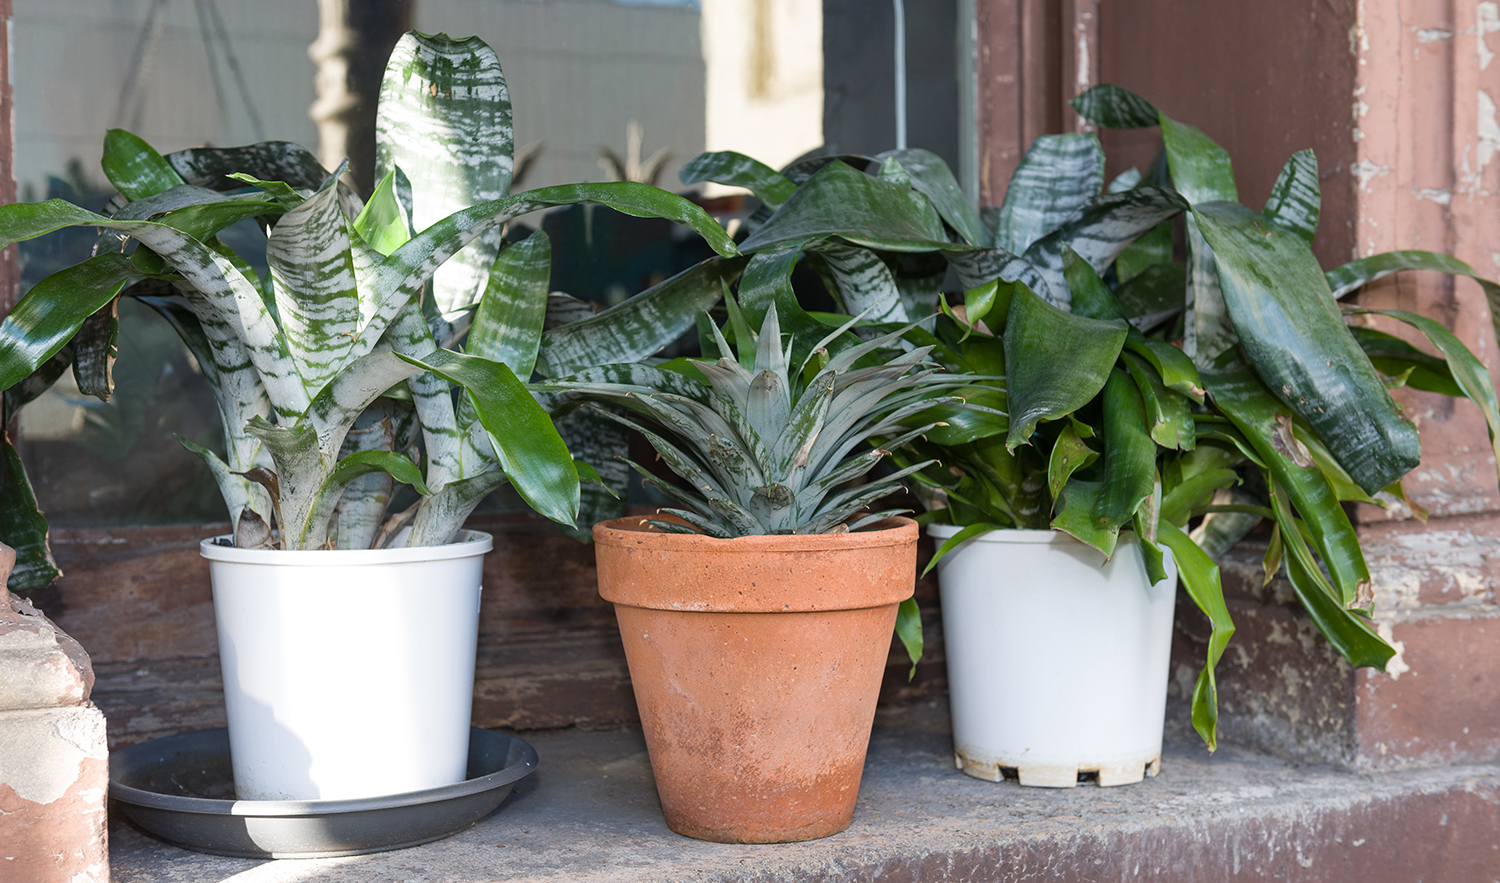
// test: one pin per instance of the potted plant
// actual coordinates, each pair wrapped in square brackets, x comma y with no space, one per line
[1096,347]
[757,615]
[326,697]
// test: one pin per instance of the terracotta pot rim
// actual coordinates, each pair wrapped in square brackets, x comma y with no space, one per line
[630,530]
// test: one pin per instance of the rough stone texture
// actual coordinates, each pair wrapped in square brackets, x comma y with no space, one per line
[54,775]
[1283,689]
[47,668]
[590,814]
[54,770]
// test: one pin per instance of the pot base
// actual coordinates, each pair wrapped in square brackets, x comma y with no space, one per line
[1042,775]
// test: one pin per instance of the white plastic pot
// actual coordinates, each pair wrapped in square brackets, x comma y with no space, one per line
[347,674]
[1056,665]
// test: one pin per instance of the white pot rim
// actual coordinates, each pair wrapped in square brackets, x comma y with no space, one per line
[469,542]
[1014,535]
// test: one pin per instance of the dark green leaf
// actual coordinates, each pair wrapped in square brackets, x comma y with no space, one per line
[1267,426]
[909,630]
[23,527]
[1346,631]
[134,167]
[1298,343]
[932,178]
[1055,362]
[1115,108]
[838,201]
[1200,577]
[1129,454]
[48,317]
[738,170]
[1069,454]
[1151,249]
[1295,201]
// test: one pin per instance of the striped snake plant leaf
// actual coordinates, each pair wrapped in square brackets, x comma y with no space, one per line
[269,160]
[1200,577]
[1057,176]
[865,283]
[839,201]
[1296,199]
[1355,275]
[1115,108]
[508,324]
[800,171]
[298,474]
[932,178]
[443,514]
[1293,334]
[357,464]
[402,273]
[23,527]
[738,170]
[767,284]
[235,297]
[604,445]
[333,412]
[134,167]
[1345,630]
[1267,425]
[360,511]
[979,267]
[95,347]
[444,119]
[1468,373]
[312,265]
[239,493]
[641,325]
[526,443]
[1055,361]
[1100,231]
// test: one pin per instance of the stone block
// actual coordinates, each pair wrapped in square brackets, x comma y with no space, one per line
[54,778]
[1283,689]
[45,668]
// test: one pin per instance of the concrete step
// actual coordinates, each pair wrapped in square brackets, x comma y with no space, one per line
[590,813]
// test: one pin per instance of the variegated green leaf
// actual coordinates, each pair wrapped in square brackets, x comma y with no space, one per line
[1101,230]
[357,464]
[525,440]
[1296,201]
[839,201]
[864,281]
[316,295]
[1056,178]
[269,160]
[641,325]
[508,325]
[444,120]
[1295,338]
[1115,108]
[737,170]
[441,515]
[932,178]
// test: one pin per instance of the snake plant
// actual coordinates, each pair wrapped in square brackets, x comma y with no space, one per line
[1118,388]
[325,369]
[765,444]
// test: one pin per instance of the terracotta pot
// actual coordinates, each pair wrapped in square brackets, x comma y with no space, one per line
[756,664]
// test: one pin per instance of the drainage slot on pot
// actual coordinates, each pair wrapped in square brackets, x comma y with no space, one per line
[1010,774]
[1088,777]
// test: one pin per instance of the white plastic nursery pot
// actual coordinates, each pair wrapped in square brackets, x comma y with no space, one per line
[1056,665]
[347,673]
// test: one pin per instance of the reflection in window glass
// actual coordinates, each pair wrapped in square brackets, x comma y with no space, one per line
[601,89]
